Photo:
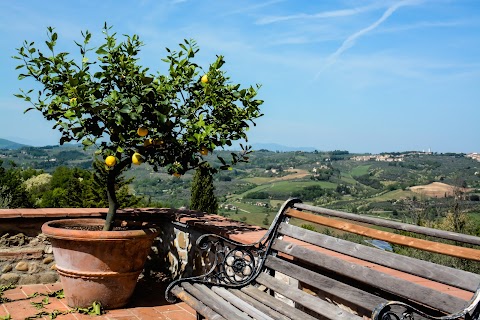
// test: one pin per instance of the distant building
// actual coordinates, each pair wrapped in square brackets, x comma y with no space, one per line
[474,156]
[229,207]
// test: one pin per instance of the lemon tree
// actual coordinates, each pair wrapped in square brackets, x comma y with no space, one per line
[103,97]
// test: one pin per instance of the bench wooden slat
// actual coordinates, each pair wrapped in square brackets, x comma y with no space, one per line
[196,304]
[240,304]
[259,305]
[233,312]
[327,310]
[216,303]
[337,291]
[448,235]
[454,251]
[276,304]
[369,277]
[450,276]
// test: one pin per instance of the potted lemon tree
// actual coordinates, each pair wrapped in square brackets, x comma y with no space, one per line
[103,98]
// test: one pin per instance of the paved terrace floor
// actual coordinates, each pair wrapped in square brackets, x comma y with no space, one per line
[147,304]
[148,300]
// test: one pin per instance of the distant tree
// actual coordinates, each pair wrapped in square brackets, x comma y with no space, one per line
[474,197]
[265,221]
[257,195]
[37,186]
[202,190]
[5,198]
[11,182]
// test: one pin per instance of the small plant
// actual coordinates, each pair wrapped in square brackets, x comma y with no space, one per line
[308,227]
[41,304]
[5,288]
[133,116]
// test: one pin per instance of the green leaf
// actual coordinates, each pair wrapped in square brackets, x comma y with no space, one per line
[87,142]
[101,50]
[97,309]
[126,109]
[147,80]
[69,114]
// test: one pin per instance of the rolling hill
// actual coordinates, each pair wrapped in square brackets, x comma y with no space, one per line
[10,145]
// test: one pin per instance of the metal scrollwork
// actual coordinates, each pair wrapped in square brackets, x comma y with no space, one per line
[239,265]
[404,311]
[233,264]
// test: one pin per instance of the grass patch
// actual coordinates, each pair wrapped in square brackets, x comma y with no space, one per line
[360,170]
[393,195]
[259,180]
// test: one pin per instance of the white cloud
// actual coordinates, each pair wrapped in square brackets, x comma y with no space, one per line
[429,24]
[351,40]
[321,15]
[254,7]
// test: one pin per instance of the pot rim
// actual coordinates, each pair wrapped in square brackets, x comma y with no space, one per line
[53,229]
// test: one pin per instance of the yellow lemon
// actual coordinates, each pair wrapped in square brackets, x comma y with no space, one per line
[137,158]
[203,151]
[147,142]
[204,78]
[142,132]
[110,161]
[177,175]
[158,142]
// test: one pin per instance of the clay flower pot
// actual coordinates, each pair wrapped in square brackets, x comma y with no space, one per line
[98,266]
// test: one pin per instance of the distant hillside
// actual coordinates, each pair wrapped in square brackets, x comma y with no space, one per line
[278,147]
[7,144]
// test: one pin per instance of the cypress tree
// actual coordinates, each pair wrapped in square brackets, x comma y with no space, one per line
[202,191]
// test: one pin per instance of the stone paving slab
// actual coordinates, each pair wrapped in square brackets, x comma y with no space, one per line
[148,303]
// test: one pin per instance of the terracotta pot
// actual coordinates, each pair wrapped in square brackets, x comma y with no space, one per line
[98,265]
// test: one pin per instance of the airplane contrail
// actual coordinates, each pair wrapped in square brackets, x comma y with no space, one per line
[350,41]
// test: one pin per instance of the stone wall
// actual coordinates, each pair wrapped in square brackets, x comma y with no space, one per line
[26,260]
[174,253]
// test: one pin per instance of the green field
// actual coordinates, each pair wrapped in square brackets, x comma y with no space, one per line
[288,187]
[360,170]
[348,179]
[254,214]
[393,195]
[259,180]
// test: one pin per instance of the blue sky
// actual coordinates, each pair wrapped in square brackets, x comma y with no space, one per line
[363,76]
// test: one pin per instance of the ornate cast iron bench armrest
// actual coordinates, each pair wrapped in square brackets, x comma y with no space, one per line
[385,312]
[234,264]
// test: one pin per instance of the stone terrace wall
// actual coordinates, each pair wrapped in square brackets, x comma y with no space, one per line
[26,260]
[26,255]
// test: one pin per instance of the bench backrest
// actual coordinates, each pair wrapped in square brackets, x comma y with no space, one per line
[361,277]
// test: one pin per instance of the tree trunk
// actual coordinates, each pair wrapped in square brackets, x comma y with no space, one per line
[112,200]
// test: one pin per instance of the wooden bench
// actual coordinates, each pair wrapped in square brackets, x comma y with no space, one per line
[296,273]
